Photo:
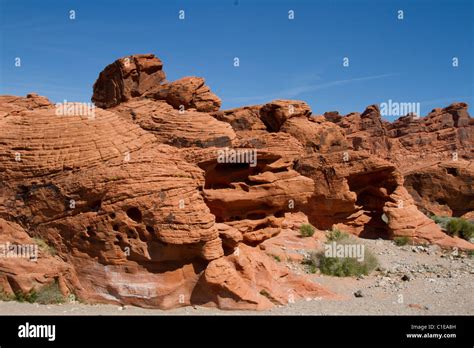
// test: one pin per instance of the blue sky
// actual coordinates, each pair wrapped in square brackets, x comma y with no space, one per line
[407,60]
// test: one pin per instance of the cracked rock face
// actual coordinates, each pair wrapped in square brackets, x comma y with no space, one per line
[162,200]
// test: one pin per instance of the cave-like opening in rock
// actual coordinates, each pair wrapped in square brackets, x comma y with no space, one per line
[135,214]
[222,175]
[236,176]
[373,191]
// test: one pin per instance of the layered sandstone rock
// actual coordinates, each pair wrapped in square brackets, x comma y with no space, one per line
[248,200]
[405,220]
[176,128]
[164,201]
[132,218]
[109,199]
[256,278]
[244,118]
[288,245]
[277,112]
[317,135]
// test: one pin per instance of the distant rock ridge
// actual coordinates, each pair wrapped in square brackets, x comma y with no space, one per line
[441,143]
[443,134]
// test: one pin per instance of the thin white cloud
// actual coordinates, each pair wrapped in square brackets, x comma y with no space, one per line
[295,91]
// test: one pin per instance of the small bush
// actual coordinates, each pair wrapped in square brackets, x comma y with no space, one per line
[460,228]
[341,266]
[336,235]
[277,258]
[43,246]
[307,230]
[6,297]
[49,294]
[455,226]
[400,241]
[442,221]
[30,297]
[346,267]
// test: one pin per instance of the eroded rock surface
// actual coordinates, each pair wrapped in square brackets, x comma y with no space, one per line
[128,199]
[162,200]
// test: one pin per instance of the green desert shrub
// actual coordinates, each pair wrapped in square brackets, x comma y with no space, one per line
[336,235]
[455,226]
[306,230]
[341,266]
[442,221]
[30,296]
[310,263]
[48,294]
[44,247]
[6,297]
[460,228]
[346,267]
[401,240]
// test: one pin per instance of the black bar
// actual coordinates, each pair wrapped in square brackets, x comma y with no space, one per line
[242,330]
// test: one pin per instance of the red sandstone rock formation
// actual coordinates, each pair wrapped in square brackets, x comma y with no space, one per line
[187,93]
[425,149]
[143,75]
[358,192]
[443,188]
[127,78]
[170,126]
[140,208]
[21,275]
[131,217]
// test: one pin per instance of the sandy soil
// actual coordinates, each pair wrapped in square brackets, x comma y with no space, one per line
[436,283]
